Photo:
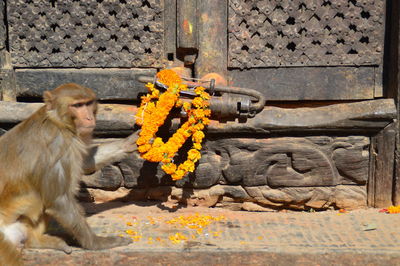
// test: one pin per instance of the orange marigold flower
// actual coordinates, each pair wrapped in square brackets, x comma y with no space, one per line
[198,127]
[198,136]
[177,175]
[144,148]
[194,155]
[197,146]
[188,166]
[205,121]
[155,93]
[192,120]
[198,102]
[393,209]
[199,90]
[150,86]
[158,142]
[145,99]
[179,103]
[168,77]
[169,168]
[186,106]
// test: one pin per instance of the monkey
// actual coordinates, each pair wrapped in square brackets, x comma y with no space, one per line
[9,255]
[41,162]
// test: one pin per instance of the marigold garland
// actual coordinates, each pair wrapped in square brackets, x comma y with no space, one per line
[392,209]
[153,111]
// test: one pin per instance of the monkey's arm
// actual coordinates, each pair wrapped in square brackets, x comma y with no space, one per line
[107,153]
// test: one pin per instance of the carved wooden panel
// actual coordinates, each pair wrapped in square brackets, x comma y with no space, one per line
[88,33]
[290,162]
[274,162]
[291,172]
[305,32]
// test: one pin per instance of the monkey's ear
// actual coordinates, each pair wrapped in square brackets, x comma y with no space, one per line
[48,98]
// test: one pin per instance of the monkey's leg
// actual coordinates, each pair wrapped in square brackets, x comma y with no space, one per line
[50,242]
[38,239]
[70,214]
[9,254]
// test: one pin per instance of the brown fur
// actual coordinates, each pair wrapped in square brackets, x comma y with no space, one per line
[40,167]
[9,255]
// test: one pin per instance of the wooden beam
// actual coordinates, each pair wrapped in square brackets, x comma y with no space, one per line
[380,185]
[392,72]
[366,116]
[109,84]
[308,83]
[213,42]
[8,86]
[170,30]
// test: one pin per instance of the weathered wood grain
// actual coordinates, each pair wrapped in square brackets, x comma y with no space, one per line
[7,75]
[275,162]
[311,83]
[393,83]
[186,24]
[332,83]
[107,83]
[8,87]
[170,29]
[212,26]
[366,116]
[381,182]
[396,179]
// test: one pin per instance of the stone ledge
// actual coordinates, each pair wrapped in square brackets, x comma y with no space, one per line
[260,198]
[189,257]
[243,238]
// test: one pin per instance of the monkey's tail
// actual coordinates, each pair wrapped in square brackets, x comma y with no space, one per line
[9,254]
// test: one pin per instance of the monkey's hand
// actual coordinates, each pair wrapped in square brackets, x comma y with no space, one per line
[129,143]
[108,153]
[67,249]
[101,242]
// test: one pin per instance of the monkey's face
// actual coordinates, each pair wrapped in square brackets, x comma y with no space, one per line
[83,113]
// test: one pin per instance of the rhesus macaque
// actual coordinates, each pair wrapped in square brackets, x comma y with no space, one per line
[41,162]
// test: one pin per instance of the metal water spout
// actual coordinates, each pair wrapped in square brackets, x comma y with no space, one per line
[226,102]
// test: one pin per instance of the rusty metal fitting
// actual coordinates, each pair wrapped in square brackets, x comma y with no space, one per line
[232,102]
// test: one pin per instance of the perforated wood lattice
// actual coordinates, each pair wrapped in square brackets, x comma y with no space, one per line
[2,27]
[86,33]
[266,33]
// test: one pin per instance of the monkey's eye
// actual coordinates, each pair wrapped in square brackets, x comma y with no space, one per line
[89,103]
[77,105]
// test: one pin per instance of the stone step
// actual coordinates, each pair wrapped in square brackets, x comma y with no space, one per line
[175,235]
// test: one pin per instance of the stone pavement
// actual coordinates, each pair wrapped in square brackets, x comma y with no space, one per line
[164,235]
